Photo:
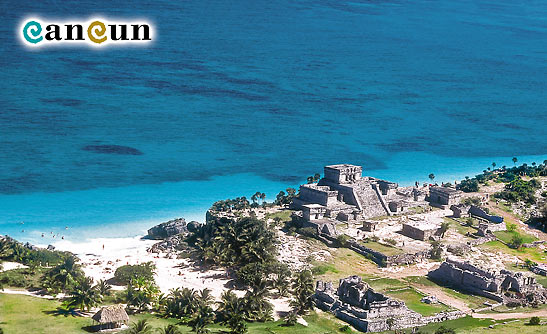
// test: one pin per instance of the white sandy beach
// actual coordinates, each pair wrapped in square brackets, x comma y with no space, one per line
[171,272]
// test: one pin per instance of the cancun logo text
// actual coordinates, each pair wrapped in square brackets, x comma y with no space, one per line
[95,32]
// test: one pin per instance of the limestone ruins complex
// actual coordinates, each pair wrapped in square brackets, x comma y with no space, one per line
[358,304]
[503,286]
[344,194]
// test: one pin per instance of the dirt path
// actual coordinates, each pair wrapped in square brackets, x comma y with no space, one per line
[507,216]
[503,316]
[444,298]
[26,293]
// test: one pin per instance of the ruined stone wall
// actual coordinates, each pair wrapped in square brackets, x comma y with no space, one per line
[413,232]
[490,284]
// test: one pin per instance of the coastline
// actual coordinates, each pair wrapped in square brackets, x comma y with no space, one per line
[171,272]
[127,212]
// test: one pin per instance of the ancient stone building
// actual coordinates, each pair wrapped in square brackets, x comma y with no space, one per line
[444,196]
[420,230]
[346,195]
[358,304]
[370,225]
[503,285]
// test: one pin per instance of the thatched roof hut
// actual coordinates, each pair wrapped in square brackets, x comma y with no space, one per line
[112,316]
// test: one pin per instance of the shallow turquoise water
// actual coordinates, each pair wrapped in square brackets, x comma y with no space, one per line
[239,96]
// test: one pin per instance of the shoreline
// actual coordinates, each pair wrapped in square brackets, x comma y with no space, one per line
[130,211]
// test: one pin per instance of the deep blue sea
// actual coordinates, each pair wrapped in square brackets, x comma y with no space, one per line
[234,97]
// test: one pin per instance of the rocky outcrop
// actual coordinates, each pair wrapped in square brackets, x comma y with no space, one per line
[172,244]
[168,229]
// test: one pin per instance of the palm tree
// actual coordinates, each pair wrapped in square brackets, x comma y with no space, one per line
[303,291]
[103,287]
[204,297]
[231,310]
[515,160]
[65,274]
[431,177]
[170,329]
[141,293]
[262,197]
[84,296]
[203,317]
[493,165]
[139,327]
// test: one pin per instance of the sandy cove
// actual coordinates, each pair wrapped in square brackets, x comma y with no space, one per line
[171,273]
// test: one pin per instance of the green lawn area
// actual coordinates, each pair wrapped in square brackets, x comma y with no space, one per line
[384,249]
[345,262]
[284,215]
[533,254]
[382,284]
[21,314]
[461,229]
[412,299]
[506,236]
[541,280]
[479,326]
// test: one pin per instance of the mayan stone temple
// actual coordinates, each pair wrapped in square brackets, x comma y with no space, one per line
[344,194]
[358,304]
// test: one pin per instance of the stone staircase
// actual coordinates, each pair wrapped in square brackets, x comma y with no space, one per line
[368,201]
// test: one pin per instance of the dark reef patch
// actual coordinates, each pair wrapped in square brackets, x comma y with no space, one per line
[64,102]
[112,149]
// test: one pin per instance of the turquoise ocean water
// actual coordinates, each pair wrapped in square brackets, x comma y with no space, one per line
[235,97]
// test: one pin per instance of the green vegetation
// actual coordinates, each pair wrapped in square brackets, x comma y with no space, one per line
[464,229]
[12,250]
[126,273]
[303,286]
[48,316]
[29,278]
[508,236]
[387,250]
[412,299]
[522,253]
[235,242]
[469,185]
[519,190]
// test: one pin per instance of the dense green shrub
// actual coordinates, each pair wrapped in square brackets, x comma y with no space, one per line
[469,185]
[125,274]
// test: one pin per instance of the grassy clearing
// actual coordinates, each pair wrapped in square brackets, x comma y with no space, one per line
[384,249]
[542,280]
[383,284]
[506,236]
[412,299]
[506,309]
[533,254]
[472,301]
[284,215]
[461,229]
[462,325]
[345,262]
[21,314]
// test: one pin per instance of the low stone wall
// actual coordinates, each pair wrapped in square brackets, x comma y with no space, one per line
[384,260]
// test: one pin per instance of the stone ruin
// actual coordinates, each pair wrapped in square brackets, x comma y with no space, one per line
[358,304]
[346,195]
[503,286]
